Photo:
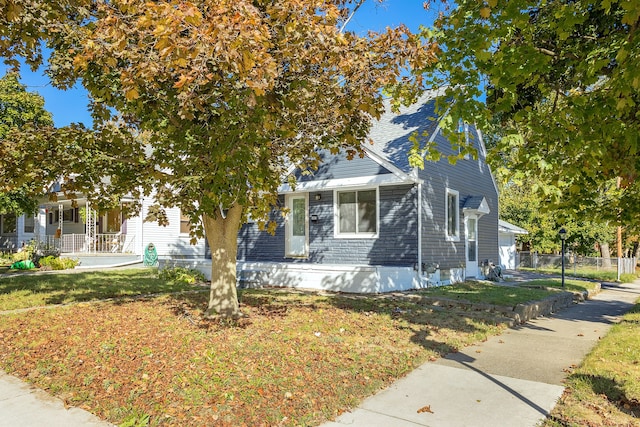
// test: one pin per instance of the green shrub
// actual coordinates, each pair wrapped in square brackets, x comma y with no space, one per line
[181,274]
[57,263]
[25,253]
[628,277]
[20,256]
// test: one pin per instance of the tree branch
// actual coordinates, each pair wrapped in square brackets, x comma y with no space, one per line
[546,51]
[353,12]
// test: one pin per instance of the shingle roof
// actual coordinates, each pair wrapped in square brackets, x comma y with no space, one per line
[472,202]
[390,134]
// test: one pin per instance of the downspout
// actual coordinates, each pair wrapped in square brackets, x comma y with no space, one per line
[420,233]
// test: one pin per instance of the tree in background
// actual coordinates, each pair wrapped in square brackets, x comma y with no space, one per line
[205,104]
[562,83]
[522,206]
[19,110]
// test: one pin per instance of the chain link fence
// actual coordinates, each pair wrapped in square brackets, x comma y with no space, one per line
[574,263]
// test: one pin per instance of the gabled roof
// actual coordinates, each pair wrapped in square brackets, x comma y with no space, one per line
[476,205]
[390,134]
[389,149]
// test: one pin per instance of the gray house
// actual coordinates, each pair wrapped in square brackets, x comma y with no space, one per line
[376,224]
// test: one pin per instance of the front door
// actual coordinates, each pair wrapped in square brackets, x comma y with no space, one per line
[297,226]
[471,233]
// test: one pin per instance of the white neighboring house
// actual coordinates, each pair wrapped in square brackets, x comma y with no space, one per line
[507,233]
[100,238]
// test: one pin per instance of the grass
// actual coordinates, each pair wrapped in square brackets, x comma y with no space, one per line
[605,389]
[487,293]
[586,273]
[28,290]
[295,359]
[572,285]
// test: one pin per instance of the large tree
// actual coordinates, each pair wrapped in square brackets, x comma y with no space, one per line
[563,86]
[207,104]
[521,205]
[19,110]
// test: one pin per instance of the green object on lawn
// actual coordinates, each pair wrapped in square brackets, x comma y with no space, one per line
[150,255]
[23,265]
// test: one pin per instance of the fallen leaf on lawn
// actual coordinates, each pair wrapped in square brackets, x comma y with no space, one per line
[580,335]
[425,409]
[478,351]
[501,342]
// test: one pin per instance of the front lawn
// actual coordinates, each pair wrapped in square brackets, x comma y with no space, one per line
[605,389]
[572,285]
[31,290]
[586,273]
[295,359]
[487,293]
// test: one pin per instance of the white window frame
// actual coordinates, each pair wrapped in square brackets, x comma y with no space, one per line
[336,214]
[456,236]
[28,218]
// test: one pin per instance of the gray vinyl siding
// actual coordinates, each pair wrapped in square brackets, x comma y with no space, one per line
[470,178]
[339,167]
[396,244]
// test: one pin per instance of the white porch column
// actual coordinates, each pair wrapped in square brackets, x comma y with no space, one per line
[60,217]
[90,224]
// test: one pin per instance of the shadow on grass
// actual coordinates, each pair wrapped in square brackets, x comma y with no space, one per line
[63,288]
[423,321]
[613,391]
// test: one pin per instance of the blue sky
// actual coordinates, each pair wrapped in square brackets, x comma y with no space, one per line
[71,106]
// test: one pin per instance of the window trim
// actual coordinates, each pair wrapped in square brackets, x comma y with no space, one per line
[456,236]
[336,214]
[33,224]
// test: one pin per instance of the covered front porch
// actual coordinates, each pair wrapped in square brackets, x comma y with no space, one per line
[74,227]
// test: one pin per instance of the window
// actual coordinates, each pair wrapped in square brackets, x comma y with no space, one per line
[29,223]
[452,215]
[185,225]
[357,213]
[112,221]
[67,215]
[9,224]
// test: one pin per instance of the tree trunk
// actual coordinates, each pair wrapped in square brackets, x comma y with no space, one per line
[606,255]
[222,235]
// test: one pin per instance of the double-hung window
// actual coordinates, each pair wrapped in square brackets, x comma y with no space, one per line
[29,223]
[357,213]
[185,224]
[452,215]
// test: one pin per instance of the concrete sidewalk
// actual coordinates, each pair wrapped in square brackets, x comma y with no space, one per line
[22,405]
[511,380]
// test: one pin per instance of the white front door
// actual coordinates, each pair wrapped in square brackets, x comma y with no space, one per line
[471,239]
[297,226]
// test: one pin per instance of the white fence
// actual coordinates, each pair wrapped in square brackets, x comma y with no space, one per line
[79,243]
[9,243]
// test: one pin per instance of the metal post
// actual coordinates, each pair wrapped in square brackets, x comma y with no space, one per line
[562,263]
[563,236]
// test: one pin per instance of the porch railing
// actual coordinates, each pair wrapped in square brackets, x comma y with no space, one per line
[79,243]
[9,243]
